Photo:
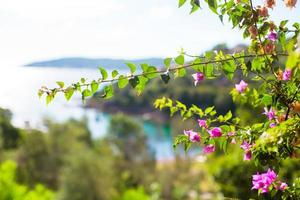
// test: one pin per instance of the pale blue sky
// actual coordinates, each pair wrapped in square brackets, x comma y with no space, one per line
[41,29]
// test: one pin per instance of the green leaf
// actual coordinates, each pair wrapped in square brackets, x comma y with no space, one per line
[266,100]
[257,64]
[228,116]
[181,3]
[179,60]
[108,92]
[167,62]
[114,73]
[195,6]
[134,81]
[181,72]
[40,93]
[141,84]
[94,86]
[86,93]
[151,72]
[103,73]
[165,77]
[69,93]
[208,70]
[208,110]
[213,5]
[131,66]
[60,84]
[229,69]
[123,81]
[49,98]
[144,67]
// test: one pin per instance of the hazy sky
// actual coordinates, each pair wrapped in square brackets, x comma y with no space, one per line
[41,29]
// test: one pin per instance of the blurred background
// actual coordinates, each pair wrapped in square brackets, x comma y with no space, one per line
[122,148]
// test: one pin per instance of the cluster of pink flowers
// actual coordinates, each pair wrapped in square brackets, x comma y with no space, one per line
[247,148]
[241,87]
[195,137]
[264,181]
[192,135]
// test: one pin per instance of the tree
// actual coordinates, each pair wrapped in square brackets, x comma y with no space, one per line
[9,135]
[134,159]
[10,189]
[88,176]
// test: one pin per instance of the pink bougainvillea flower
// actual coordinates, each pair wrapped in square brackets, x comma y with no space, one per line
[247,156]
[273,36]
[198,77]
[271,175]
[202,123]
[241,87]
[287,75]
[282,186]
[272,125]
[231,134]
[209,148]
[215,132]
[233,141]
[269,113]
[192,135]
[263,181]
[290,3]
[246,146]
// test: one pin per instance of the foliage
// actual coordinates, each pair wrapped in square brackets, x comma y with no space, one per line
[134,158]
[87,176]
[135,194]
[274,90]
[10,189]
[10,135]
[42,156]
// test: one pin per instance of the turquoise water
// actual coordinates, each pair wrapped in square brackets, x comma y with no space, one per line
[159,135]
[18,92]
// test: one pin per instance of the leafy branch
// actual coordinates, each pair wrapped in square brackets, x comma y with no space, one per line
[138,81]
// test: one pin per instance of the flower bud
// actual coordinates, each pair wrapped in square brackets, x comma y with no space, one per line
[270,3]
[281,118]
[290,3]
[296,106]
[237,1]
[269,48]
[272,26]
[279,75]
[262,11]
[253,32]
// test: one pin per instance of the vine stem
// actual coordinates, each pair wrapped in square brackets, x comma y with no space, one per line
[293,99]
[260,40]
[162,71]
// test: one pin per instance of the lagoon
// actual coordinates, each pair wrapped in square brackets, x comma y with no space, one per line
[18,92]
